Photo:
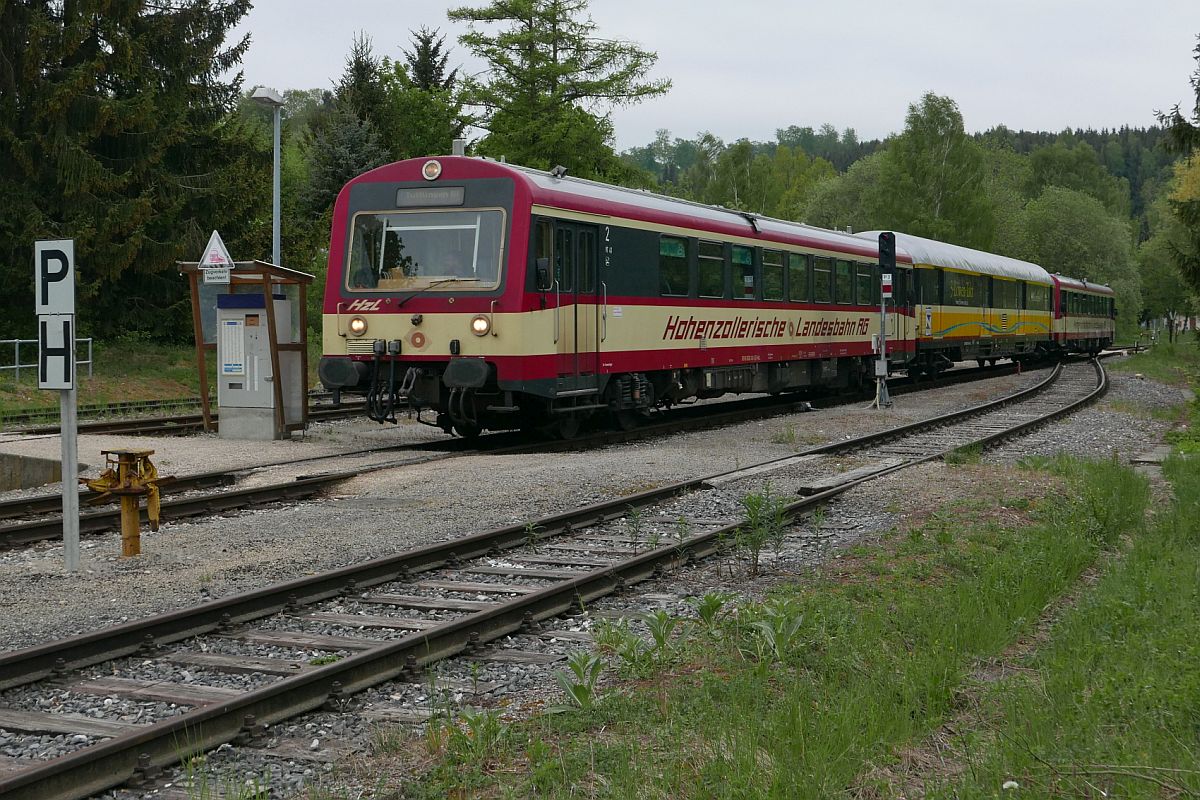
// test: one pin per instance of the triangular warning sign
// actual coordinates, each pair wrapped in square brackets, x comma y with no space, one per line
[215,254]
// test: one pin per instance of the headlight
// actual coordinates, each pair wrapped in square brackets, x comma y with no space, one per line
[480,325]
[358,326]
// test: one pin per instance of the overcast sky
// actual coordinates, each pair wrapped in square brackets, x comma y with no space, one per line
[744,68]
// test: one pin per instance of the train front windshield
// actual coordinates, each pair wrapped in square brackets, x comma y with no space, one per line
[405,250]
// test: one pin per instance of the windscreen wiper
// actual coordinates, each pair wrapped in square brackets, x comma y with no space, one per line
[436,283]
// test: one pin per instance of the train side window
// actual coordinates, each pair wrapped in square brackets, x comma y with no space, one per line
[798,274]
[1022,295]
[901,294]
[673,277]
[543,248]
[963,290]
[844,282]
[711,262]
[928,283]
[772,279]
[823,280]
[1039,297]
[564,269]
[743,268]
[867,286]
[587,261]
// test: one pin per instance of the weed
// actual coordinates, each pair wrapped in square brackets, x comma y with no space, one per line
[321,661]
[634,524]
[661,625]
[581,690]
[709,607]
[776,631]
[766,523]
[476,737]
[785,436]
[970,454]
[531,536]
[608,634]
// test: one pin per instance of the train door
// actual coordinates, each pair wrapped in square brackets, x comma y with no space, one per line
[577,316]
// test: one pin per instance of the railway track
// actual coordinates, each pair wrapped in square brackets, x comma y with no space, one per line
[182,423]
[398,615]
[46,524]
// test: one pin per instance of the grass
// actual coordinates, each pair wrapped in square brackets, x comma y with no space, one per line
[1176,363]
[1109,706]
[813,693]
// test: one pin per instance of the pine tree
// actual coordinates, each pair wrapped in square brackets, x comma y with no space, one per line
[552,78]
[427,62]
[114,131]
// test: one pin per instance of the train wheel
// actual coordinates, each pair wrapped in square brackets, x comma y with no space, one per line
[567,427]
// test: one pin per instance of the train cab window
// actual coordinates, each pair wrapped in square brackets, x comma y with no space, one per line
[673,273]
[843,282]
[711,264]
[422,248]
[866,286]
[823,280]
[928,286]
[798,273]
[743,268]
[772,278]
[564,254]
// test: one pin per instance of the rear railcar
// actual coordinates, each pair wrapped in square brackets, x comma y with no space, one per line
[975,305]
[1084,315]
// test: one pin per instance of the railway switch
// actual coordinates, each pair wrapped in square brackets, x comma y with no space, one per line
[129,475]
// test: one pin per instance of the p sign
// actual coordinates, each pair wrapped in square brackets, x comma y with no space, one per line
[54,276]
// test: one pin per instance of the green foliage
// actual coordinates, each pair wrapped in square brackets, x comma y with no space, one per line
[115,131]
[934,179]
[708,607]
[586,669]
[766,523]
[550,74]
[851,200]
[1078,168]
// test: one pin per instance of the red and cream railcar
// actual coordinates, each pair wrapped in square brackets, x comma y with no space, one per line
[498,296]
[1084,315]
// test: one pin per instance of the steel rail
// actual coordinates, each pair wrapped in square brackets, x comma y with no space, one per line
[144,752]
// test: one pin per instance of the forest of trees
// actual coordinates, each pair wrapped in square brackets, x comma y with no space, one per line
[128,129]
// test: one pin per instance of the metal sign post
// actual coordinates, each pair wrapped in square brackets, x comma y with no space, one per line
[887,265]
[54,286]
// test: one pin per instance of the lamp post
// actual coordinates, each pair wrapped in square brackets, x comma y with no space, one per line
[273,100]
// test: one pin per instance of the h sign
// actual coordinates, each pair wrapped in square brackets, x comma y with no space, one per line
[54,276]
[56,351]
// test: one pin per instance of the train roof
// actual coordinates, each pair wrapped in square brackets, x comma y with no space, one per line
[602,198]
[941,254]
[1082,285]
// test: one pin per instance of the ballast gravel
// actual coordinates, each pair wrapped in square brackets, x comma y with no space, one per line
[388,511]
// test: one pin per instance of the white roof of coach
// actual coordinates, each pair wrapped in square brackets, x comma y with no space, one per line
[940,254]
[674,205]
